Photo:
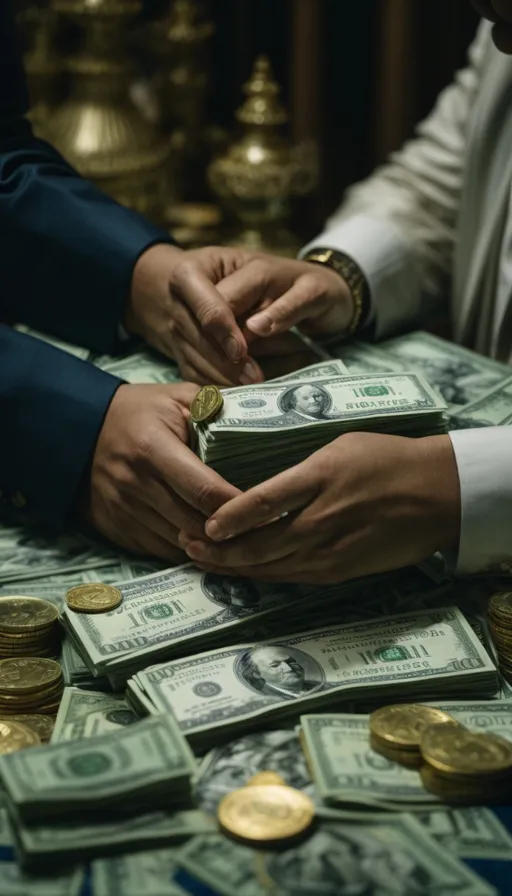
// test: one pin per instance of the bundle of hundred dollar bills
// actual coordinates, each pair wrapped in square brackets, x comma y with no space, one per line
[426,655]
[264,429]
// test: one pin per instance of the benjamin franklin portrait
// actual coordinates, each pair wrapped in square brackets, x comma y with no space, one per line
[277,670]
[308,400]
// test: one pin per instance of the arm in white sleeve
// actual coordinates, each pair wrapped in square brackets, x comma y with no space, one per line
[484,463]
[399,224]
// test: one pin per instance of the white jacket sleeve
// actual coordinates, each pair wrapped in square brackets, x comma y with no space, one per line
[399,224]
[484,463]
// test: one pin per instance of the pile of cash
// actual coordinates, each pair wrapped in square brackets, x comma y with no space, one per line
[214,695]
[28,627]
[500,623]
[262,430]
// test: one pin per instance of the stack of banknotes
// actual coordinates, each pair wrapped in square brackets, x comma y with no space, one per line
[262,430]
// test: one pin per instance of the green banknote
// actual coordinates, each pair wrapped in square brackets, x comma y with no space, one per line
[149,873]
[493,408]
[78,706]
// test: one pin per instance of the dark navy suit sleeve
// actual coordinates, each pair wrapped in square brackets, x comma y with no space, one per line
[67,254]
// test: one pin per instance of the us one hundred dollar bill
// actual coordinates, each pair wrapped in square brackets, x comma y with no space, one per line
[150,873]
[77,706]
[493,408]
[421,653]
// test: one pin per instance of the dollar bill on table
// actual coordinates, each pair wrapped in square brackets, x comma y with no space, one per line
[459,374]
[220,693]
[25,554]
[77,707]
[141,767]
[15,882]
[348,852]
[230,766]
[44,845]
[280,424]
[150,873]
[363,357]
[493,408]
[472,832]
[141,366]
[77,350]
[347,771]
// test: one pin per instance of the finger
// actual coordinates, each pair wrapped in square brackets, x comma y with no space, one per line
[163,511]
[197,364]
[140,540]
[289,572]
[209,308]
[299,303]
[274,542]
[184,393]
[287,491]
[248,287]
[198,485]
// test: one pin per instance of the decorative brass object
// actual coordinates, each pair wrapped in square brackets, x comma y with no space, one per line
[180,44]
[97,128]
[42,65]
[261,172]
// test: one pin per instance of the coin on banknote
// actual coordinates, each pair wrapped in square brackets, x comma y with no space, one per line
[207,404]
[266,778]
[16,736]
[266,813]
[26,675]
[454,751]
[401,725]
[408,758]
[42,725]
[483,791]
[93,598]
[20,615]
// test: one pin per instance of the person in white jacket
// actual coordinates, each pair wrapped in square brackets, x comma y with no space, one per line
[434,222]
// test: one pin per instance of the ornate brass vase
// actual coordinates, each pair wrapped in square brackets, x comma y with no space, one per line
[98,128]
[42,65]
[261,172]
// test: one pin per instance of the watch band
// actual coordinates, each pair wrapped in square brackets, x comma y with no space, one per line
[356,281]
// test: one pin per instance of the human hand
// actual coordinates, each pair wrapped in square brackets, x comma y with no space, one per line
[145,483]
[363,504]
[499,12]
[274,294]
[176,308]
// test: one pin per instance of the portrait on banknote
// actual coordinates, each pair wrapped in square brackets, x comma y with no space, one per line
[276,670]
[307,400]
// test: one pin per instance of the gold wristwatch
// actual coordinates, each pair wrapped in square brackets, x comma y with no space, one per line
[354,278]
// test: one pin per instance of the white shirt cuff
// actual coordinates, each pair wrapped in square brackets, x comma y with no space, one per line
[484,462]
[388,263]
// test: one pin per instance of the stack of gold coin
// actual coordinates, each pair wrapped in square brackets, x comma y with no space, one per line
[466,767]
[28,627]
[266,811]
[30,685]
[15,736]
[395,731]
[41,725]
[500,624]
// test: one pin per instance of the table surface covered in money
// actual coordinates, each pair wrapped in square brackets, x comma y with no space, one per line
[378,831]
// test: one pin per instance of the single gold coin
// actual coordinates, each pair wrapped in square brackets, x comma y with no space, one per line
[42,725]
[408,758]
[207,404]
[15,736]
[401,725]
[19,615]
[28,675]
[266,813]
[94,598]
[266,778]
[453,750]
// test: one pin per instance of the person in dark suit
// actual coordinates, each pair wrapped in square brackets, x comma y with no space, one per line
[80,267]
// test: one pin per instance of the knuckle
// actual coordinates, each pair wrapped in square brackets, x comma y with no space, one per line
[211,316]
[205,496]
[264,506]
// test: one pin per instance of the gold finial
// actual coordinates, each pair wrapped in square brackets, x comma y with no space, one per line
[186,24]
[262,106]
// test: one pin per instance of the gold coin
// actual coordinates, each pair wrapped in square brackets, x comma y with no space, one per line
[28,675]
[453,750]
[266,778]
[95,598]
[42,725]
[19,614]
[207,404]
[266,813]
[500,608]
[15,736]
[401,725]
[408,758]
[463,792]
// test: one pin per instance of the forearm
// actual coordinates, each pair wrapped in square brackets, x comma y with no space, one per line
[484,463]
[52,406]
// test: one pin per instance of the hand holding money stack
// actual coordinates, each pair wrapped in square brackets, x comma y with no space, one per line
[251,433]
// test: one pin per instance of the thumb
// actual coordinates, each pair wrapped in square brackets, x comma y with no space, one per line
[299,303]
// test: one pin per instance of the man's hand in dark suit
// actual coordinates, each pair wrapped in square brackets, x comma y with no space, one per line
[175,306]
[145,483]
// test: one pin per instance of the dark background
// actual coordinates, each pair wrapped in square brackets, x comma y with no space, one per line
[356,74]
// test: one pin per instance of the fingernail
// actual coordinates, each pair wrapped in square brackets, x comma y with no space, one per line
[261,324]
[233,349]
[249,374]
[196,551]
[212,530]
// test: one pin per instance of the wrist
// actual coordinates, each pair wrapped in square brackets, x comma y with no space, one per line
[354,280]
[438,473]
[152,270]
